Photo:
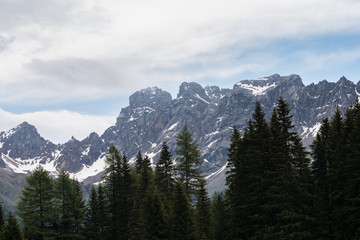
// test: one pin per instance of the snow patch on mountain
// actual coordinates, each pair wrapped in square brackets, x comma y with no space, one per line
[92,170]
[310,131]
[217,172]
[256,90]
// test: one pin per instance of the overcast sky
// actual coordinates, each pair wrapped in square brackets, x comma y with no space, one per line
[68,67]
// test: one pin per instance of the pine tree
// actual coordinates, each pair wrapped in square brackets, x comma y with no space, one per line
[189,161]
[321,173]
[165,173]
[2,220]
[101,216]
[12,229]
[287,216]
[70,203]
[218,227]
[347,198]
[181,220]
[92,216]
[79,210]
[113,179]
[141,216]
[36,205]
[138,162]
[202,211]
[249,164]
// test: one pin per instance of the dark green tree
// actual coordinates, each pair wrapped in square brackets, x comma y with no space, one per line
[321,172]
[12,229]
[113,182]
[140,221]
[138,162]
[287,216]
[181,220]
[92,216]
[189,161]
[249,163]
[218,217]
[2,220]
[36,205]
[202,211]
[165,173]
[347,191]
[66,202]
[79,210]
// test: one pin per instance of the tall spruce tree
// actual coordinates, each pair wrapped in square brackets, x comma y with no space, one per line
[287,218]
[138,162]
[347,198]
[36,205]
[12,229]
[92,217]
[2,220]
[165,173]
[142,224]
[113,179]
[218,224]
[189,161]
[202,211]
[65,198]
[321,168]
[181,219]
[248,162]
[79,210]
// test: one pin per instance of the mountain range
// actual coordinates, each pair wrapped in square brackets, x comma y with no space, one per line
[153,117]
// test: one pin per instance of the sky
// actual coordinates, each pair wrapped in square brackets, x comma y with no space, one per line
[68,67]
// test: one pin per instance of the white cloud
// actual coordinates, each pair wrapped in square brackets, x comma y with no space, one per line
[58,126]
[66,49]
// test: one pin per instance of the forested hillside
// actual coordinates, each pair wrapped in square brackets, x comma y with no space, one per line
[275,189]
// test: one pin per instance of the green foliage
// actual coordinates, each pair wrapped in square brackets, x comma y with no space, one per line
[189,161]
[36,206]
[12,229]
[218,217]
[181,219]
[165,174]
[117,184]
[202,211]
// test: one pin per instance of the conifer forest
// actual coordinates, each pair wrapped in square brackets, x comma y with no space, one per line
[275,189]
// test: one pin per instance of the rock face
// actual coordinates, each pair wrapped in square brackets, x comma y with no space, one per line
[153,117]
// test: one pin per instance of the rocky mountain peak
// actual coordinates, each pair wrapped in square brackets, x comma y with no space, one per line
[24,142]
[150,97]
[261,86]
[190,89]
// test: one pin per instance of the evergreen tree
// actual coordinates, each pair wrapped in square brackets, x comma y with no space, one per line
[79,210]
[2,220]
[165,174]
[36,205]
[101,213]
[321,172]
[202,211]
[92,217]
[66,201]
[141,216]
[249,163]
[12,229]
[347,198]
[218,226]
[182,226]
[189,161]
[113,180]
[125,200]
[138,162]
[288,217]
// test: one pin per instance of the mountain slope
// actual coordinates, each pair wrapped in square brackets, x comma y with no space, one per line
[153,117]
